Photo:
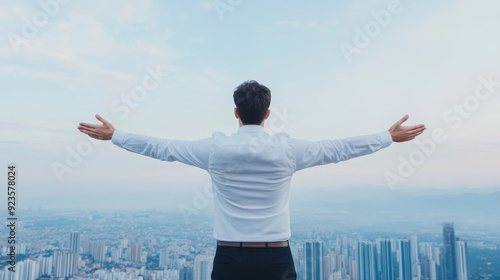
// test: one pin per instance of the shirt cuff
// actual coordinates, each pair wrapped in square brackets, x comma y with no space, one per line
[386,138]
[118,137]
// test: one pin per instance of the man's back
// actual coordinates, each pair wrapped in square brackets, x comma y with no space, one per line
[251,172]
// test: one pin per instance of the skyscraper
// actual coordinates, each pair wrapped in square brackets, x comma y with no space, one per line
[24,270]
[461,252]
[74,242]
[186,273]
[65,263]
[366,261]
[164,257]
[45,266]
[136,252]
[386,268]
[202,267]
[329,265]
[313,258]
[405,264]
[31,269]
[428,255]
[415,263]
[96,250]
[449,255]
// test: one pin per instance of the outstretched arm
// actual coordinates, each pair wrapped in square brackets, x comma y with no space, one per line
[189,152]
[102,131]
[312,153]
[400,133]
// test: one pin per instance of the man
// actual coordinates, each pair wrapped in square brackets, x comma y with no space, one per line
[251,173]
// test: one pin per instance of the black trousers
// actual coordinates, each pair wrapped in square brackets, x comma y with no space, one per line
[242,263]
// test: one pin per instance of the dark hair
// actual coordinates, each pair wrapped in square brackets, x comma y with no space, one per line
[252,101]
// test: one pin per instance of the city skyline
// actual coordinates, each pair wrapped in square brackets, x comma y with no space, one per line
[167,69]
[150,243]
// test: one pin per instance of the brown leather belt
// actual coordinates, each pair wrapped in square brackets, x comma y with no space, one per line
[254,244]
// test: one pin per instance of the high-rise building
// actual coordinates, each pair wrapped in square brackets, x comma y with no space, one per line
[427,260]
[136,252]
[461,252]
[74,242]
[386,267]
[20,249]
[405,264]
[25,270]
[31,270]
[449,255]
[329,265]
[202,267]
[124,243]
[115,253]
[164,257]
[313,260]
[436,253]
[415,264]
[432,271]
[46,266]
[366,259]
[7,274]
[96,250]
[353,270]
[341,264]
[186,273]
[65,263]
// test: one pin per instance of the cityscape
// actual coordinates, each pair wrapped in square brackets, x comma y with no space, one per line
[159,245]
[79,208]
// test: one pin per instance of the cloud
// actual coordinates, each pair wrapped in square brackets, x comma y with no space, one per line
[72,63]
[16,70]
[93,41]
[19,125]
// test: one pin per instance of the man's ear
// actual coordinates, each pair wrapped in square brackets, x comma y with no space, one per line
[267,114]
[236,113]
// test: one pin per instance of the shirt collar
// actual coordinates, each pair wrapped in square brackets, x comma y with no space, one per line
[250,128]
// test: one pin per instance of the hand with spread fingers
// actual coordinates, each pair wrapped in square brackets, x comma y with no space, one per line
[402,133]
[102,131]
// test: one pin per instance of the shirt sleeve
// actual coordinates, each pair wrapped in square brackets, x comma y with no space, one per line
[195,153]
[312,153]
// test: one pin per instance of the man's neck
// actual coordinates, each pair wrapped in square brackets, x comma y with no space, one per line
[241,124]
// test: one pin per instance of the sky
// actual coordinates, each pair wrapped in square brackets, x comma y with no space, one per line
[168,68]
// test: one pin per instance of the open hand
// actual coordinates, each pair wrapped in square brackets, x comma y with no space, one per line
[102,131]
[401,133]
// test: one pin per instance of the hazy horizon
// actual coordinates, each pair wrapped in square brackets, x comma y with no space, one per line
[167,69]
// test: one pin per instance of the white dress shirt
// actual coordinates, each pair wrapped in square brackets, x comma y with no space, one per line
[251,172]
